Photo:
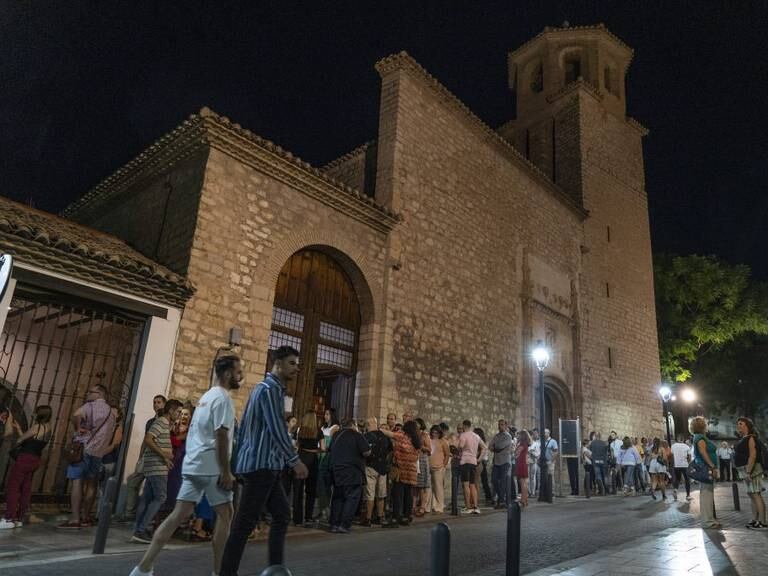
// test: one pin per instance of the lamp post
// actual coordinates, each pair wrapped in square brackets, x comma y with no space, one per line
[541,358]
[666,394]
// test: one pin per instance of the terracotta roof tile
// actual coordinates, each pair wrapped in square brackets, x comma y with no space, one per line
[51,242]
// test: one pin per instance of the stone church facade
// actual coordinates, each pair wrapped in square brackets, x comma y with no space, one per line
[418,271]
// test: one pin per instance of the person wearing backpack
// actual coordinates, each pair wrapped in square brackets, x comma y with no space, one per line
[377,467]
[749,459]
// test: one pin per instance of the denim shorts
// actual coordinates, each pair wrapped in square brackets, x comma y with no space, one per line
[88,468]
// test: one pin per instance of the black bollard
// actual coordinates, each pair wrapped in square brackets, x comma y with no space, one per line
[513,539]
[440,550]
[736,501]
[587,483]
[276,570]
[105,516]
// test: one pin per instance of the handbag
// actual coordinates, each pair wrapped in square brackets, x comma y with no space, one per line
[698,470]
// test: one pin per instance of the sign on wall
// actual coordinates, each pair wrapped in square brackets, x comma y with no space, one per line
[570,438]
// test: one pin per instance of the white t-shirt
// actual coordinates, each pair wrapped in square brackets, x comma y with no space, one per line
[680,453]
[214,411]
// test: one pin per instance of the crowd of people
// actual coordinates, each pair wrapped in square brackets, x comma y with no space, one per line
[332,474]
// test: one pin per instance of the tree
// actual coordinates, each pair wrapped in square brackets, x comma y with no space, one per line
[733,378]
[701,305]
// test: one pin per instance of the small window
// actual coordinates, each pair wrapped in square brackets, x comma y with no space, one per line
[537,78]
[610,357]
[607,290]
[572,68]
[608,233]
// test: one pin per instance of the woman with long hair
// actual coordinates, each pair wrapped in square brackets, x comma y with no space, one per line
[705,453]
[29,449]
[658,467]
[308,438]
[404,471]
[440,457]
[325,477]
[628,458]
[481,473]
[748,459]
[521,464]
[423,480]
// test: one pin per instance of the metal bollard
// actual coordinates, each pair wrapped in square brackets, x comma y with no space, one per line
[105,516]
[440,550]
[276,570]
[736,501]
[513,539]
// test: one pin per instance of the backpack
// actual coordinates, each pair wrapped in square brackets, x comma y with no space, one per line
[382,454]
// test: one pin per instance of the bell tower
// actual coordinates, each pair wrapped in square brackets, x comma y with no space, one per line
[572,125]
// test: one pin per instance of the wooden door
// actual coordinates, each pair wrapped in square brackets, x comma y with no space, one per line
[316,311]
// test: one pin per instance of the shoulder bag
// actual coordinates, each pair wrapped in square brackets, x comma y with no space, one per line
[73,452]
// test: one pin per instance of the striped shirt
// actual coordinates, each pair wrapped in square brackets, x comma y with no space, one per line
[263,441]
[154,464]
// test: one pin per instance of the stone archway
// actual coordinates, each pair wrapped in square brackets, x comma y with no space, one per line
[558,404]
[323,306]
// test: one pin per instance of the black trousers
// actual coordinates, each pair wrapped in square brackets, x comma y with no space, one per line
[402,500]
[344,504]
[725,470]
[262,490]
[573,475]
[683,472]
[305,491]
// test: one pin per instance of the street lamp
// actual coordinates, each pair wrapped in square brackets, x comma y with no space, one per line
[666,395]
[688,395]
[541,358]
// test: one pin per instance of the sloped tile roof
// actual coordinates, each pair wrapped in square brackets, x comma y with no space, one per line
[51,242]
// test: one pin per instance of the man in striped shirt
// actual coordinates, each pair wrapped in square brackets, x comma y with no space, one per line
[264,449]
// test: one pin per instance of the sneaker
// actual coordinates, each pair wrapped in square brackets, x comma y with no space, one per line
[466,510]
[689,498]
[334,529]
[475,511]
[674,494]
[142,537]
[757,526]
[7,524]
[18,523]
[342,530]
[137,572]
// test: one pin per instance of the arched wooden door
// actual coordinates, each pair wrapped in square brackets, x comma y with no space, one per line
[316,310]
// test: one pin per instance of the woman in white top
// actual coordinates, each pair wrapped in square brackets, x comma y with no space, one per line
[658,469]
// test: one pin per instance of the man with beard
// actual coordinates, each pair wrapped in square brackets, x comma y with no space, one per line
[205,470]
[264,450]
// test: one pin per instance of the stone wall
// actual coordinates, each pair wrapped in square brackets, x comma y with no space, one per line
[618,310]
[157,216]
[248,226]
[472,213]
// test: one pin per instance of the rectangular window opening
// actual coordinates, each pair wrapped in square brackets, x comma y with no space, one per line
[610,357]
[608,229]
[607,290]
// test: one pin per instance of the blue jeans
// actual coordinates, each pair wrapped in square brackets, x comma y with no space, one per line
[629,476]
[155,493]
[500,480]
[599,472]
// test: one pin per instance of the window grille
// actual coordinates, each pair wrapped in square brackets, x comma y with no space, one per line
[330,356]
[337,334]
[277,339]
[288,319]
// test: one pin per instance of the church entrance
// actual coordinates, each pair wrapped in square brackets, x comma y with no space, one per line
[556,407]
[316,310]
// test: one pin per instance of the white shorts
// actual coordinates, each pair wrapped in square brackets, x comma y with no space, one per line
[194,487]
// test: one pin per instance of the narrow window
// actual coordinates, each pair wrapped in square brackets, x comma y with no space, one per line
[537,78]
[607,290]
[610,357]
[528,144]
[608,230]
[572,68]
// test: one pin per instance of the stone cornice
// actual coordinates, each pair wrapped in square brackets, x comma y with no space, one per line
[403,61]
[573,87]
[362,149]
[599,28]
[637,126]
[208,129]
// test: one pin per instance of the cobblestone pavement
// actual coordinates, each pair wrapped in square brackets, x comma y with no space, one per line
[564,534]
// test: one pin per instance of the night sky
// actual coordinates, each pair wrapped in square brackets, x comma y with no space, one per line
[85,86]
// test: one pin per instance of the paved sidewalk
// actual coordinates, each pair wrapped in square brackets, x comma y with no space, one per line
[690,551]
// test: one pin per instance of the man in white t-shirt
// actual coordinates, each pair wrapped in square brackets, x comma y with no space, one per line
[681,455]
[206,469]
